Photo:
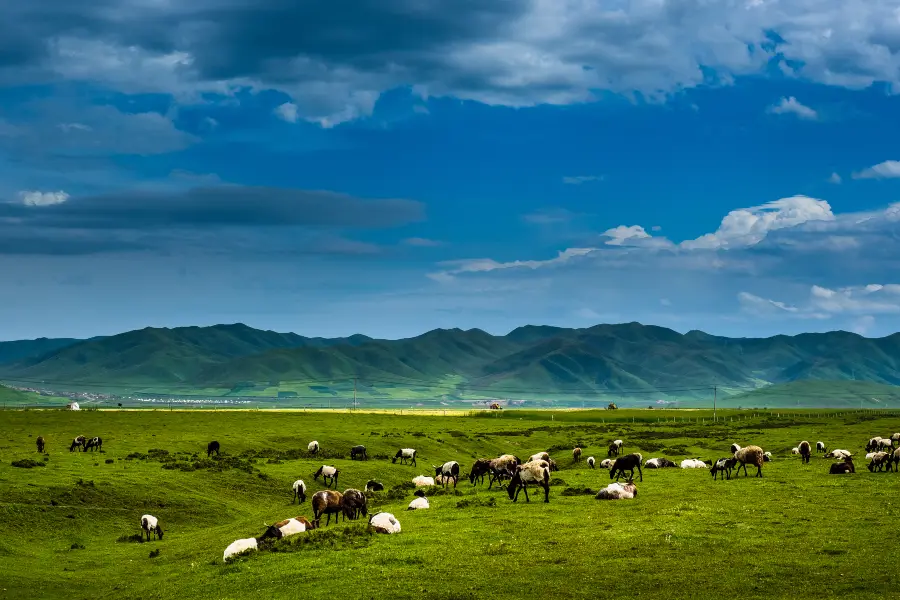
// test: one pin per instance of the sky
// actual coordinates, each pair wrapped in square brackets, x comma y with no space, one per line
[394,166]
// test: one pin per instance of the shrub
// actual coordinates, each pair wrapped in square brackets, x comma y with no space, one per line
[27,463]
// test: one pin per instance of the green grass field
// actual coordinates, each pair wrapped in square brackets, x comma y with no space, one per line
[66,528]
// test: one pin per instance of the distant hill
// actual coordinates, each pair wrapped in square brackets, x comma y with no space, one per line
[12,397]
[22,349]
[821,394]
[627,359]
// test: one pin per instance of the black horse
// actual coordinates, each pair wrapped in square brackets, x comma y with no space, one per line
[212,447]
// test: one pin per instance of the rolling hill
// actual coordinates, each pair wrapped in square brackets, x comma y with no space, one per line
[21,349]
[627,358]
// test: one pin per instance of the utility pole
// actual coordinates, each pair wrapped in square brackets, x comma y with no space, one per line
[714,403]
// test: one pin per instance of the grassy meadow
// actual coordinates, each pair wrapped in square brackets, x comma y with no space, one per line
[67,529]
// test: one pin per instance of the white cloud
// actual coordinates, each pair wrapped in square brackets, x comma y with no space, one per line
[623,234]
[872,298]
[756,304]
[484,265]
[889,169]
[287,112]
[579,179]
[422,242]
[792,106]
[748,226]
[30,198]
[834,178]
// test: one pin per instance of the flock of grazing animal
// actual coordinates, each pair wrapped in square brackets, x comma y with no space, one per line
[506,469]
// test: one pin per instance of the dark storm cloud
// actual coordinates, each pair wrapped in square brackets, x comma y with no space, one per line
[226,205]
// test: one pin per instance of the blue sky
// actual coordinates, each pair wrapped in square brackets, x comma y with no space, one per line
[388,168]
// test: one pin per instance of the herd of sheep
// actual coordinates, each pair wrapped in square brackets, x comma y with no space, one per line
[508,470]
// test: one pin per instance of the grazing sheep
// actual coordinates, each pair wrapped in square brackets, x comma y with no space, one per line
[502,468]
[313,447]
[212,447]
[752,455]
[327,502]
[94,443]
[795,450]
[723,465]
[77,442]
[873,443]
[894,460]
[820,447]
[481,468]
[658,463]
[805,451]
[448,470]
[423,480]
[537,472]
[354,504]
[590,461]
[627,463]
[607,463]
[358,451]
[838,454]
[735,448]
[842,467]
[693,463]
[767,456]
[150,524]
[540,456]
[239,547]
[405,454]
[299,491]
[374,486]
[618,491]
[895,437]
[615,447]
[327,472]
[384,523]
[870,455]
[576,454]
[885,444]
[40,444]
[879,461]
[553,465]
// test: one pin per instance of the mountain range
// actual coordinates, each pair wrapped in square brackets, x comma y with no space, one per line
[615,358]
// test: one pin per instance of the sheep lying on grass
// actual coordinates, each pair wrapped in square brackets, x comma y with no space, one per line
[659,463]
[839,454]
[618,491]
[842,467]
[607,463]
[693,463]
[239,547]
[374,486]
[423,481]
[420,502]
[384,523]
[540,456]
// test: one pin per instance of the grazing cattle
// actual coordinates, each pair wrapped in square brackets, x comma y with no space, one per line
[40,444]
[627,463]
[354,504]
[820,448]
[313,447]
[358,451]
[374,486]
[405,454]
[327,502]
[805,451]
[211,447]
[576,454]
[77,442]
[299,491]
[536,472]
[844,467]
[328,473]
[94,443]
[752,455]
[384,523]
[150,524]
[618,491]
[723,465]
[448,470]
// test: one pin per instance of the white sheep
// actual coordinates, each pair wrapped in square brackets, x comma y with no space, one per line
[422,480]
[885,444]
[590,461]
[767,456]
[540,456]
[693,463]
[384,523]
[617,491]
[795,450]
[419,503]
[299,491]
[313,447]
[150,524]
[607,463]
[870,455]
[239,546]
[838,454]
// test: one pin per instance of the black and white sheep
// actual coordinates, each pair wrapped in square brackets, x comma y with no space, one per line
[358,451]
[78,442]
[534,472]
[724,466]
[150,524]
[327,502]
[313,447]
[299,491]
[447,471]
[805,451]
[767,457]
[879,461]
[873,443]
[658,463]
[328,473]
[405,454]
[590,461]
[629,462]
[735,448]
[893,462]
[615,447]
[287,527]
[374,486]
[211,447]
[842,467]
[838,453]
[752,455]
[618,491]
[95,443]
[820,448]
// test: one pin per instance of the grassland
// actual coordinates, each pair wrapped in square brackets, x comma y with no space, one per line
[66,529]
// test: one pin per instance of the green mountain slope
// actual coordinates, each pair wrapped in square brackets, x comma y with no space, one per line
[21,349]
[532,360]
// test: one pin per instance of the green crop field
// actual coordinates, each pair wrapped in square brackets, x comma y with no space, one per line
[67,528]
